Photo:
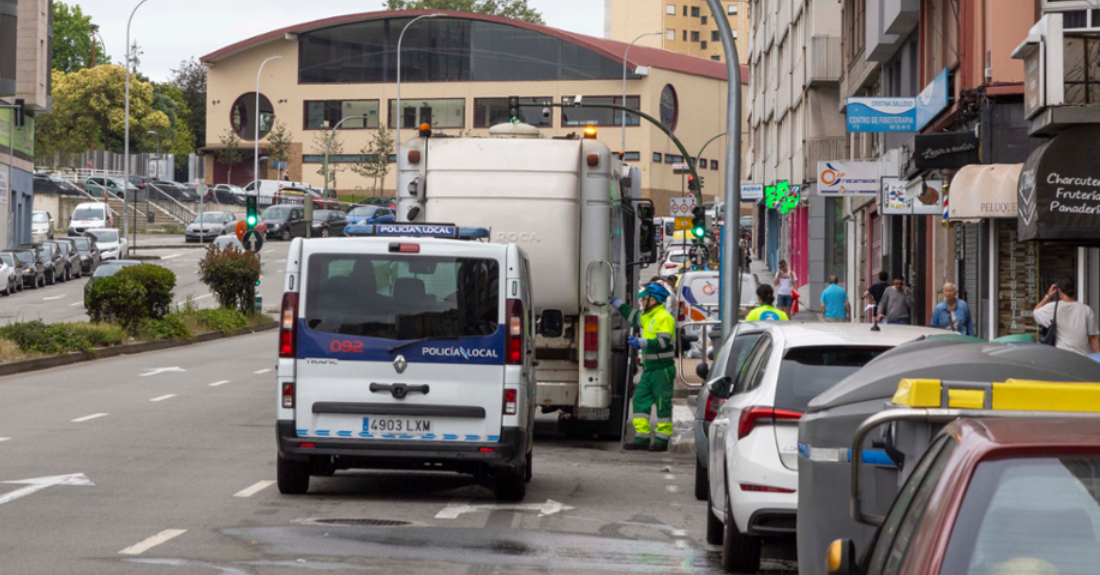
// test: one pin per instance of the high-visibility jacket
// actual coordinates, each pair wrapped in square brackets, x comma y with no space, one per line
[658,328]
[766,313]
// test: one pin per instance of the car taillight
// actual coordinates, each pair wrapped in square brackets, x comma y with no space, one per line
[288,326]
[288,395]
[711,409]
[750,416]
[764,489]
[591,341]
[510,402]
[514,353]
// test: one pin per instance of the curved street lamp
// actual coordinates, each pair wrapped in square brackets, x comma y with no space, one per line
[126,138]
[256,142]
[625,54]
[397,120]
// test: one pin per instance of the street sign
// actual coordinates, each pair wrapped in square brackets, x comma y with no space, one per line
[681,168]
[882,115]
[241,228]
[252,241]
[680,207]
[683,224]
[202,189]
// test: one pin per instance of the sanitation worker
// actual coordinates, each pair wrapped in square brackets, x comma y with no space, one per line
[658,365]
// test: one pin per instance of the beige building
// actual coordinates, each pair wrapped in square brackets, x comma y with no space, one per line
[686,26]
[457,74]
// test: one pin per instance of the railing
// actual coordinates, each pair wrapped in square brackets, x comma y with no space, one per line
[168,205]
[825,60]
[823,150]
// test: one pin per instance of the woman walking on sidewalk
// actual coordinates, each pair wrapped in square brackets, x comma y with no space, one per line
[785,281]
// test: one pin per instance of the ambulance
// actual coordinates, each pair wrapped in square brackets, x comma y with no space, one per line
[406,346]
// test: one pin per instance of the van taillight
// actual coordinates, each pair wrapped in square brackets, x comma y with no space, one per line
[514,354]
[683,312]
[591,342]
[288,395]
[510,401]
[288,326]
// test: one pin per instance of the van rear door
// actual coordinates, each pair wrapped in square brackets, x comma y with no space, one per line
[398,345]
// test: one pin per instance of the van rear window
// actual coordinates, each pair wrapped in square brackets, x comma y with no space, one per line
[400,297]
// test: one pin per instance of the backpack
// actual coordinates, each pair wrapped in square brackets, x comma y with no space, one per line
[1049,335]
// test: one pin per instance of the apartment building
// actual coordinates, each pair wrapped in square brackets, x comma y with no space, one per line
[687,26]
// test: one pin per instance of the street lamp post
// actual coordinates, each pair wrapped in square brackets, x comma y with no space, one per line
[126,139]
[156,177]
[625,54]
[328,144]
[397,120]
[256,142]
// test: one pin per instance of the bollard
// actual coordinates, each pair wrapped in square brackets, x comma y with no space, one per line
[258,303]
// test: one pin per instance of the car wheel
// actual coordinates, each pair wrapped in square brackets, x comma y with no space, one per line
[702,482]
[41,283]
[292,476]
[285,235]
[740,553]
[52,280]
[511,484]
[324,232]
[68,274]
[715,528]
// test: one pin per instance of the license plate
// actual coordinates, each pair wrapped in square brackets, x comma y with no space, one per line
[397,425]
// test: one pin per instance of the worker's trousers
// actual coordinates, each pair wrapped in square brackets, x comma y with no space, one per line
[655,387]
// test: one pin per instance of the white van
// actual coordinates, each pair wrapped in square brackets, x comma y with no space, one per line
[268,189]
[90,216]
[400,349]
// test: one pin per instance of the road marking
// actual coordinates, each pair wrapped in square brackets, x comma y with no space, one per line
[76,304]
[142,547]
[170,257]
[196,298]
[670,476]
[39,483]
[254,489]
[672,488]
[217,383]
[261,371]
[456,508]
[54,297]
[159,370]
[5,438]
[269,251]
[89,417]
[279,272]
[163,397]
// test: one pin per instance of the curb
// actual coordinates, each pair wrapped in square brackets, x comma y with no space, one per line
[188,246]
[40,363]
[143,258]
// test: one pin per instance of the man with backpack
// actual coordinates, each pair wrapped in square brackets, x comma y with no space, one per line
[1073,322]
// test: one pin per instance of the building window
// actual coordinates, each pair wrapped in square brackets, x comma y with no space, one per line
[704,20]
[242,116]
[703,45]
[325,114]
[685,10]
[9,30]
[632,156]
[489,112]
[714,36]
[714,164]
[1075,19]
[685,35]
[670,107]
[671,159]
[670,34]
[855,27]
[670,9]
[716,58]
[657,157]
[702,163]
[731,9]
[695,12]
[695,36]
[599,116]
[440,113]
[1082,70]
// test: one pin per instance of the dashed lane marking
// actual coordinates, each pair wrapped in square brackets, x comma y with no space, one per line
[89,417]
[170,256]
[670,476]
[254,488]
[261,371]
[76,304]
[163,397]
[196,298]
[143,546]
[54,297]
[217,383]
[672,488]
[2,439]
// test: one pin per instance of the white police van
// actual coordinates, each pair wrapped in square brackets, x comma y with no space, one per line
[405,347]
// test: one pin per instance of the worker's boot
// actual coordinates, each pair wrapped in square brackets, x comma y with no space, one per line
[658,447]
[635,446]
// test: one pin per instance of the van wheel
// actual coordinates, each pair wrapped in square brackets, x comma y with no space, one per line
[292,476]
[740,553]
[529,468]
[715,529]
[702,482]
[511,484]
[285,235]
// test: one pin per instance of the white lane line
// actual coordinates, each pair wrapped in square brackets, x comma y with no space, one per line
[170,257]
[76,304]
[142,547]
[279,272]
[217,383]
[269,251]
[261,371]
[89,417]
[163,397]
[254,489]
[670,476]
[5,439]
[53,298]
[197,298]
[672,488]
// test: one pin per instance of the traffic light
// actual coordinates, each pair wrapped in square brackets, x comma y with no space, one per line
[251,218]
[698,222]
[691,183]
[513,107]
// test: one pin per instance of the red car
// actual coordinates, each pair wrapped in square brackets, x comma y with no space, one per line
[993,496]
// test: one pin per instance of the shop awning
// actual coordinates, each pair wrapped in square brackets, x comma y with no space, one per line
[1059,189]
[984,191]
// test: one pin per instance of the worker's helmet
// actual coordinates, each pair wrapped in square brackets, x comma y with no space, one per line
[655,291]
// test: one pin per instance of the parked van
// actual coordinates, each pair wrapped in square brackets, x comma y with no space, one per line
[90,216]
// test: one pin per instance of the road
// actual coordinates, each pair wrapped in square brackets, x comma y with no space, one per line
[170,465]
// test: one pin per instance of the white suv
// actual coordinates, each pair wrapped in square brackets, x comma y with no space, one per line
[753,441]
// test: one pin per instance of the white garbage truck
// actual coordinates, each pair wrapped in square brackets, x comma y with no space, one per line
[575,208]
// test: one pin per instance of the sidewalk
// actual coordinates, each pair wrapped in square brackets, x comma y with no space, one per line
[766,277]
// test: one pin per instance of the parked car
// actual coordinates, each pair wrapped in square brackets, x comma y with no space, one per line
[231,227]
[45,183]
[265,190]
[41,225]
[753,439]
[299,195]
[285,222]
[207,226]
[9,276]
[70,258]
[329,223]
[29,268]
[383,201]
[176,191]
[16,268]
[89,254]
[98,185]
[227,194]
[140,181]
[674,259]
[90,216]
[112,246]
[51,259]
[108,269]
[371,215]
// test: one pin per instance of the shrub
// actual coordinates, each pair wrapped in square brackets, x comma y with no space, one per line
[223,320]
[168,327]
[232,275]
[49,339]
[98,334]
[158,283]
[132,295]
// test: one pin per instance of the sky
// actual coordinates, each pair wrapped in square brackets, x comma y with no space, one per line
[172,31]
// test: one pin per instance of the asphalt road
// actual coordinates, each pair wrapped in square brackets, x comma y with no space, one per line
[168,461]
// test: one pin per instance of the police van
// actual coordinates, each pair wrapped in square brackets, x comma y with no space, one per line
[406,346]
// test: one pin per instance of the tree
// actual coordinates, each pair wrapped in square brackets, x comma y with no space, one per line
[279,141]
[514,9]
[336,148]
[190,78]
[72,39]
[375,159]
[230,153]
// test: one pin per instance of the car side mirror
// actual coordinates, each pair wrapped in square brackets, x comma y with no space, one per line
[720,387]
[551,323]
[840,559]
[702,370]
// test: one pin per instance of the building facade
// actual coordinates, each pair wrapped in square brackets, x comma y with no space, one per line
[457,74]
[686,26]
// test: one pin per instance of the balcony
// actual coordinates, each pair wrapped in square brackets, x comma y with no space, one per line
[823,150]
[861,74]
[825,61]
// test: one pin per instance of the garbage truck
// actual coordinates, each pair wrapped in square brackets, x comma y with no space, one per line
[576,209]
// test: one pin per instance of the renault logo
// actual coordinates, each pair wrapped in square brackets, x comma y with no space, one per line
[400,364]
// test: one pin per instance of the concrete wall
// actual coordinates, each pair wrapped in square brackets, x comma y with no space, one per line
[33,57]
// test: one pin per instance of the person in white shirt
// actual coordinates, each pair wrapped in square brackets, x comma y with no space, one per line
[1076,328]
[785,281]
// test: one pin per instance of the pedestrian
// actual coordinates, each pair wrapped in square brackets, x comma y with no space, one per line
[895,303]
[875,291]
[835,302]
[658,327]
[765,295]
[785,280]
[1075,327]
[952,313]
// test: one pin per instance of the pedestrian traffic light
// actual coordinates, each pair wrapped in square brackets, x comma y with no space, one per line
[251,218]
[698,222]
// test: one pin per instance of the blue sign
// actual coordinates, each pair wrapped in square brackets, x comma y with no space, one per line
[882,115]
[932,100]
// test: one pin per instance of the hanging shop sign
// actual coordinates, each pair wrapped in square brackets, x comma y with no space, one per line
[771,197]
[1059,189]
[932,100]
[848,178]
[882,114]
[911,197]
[984,191]
[945,151]
[751,191]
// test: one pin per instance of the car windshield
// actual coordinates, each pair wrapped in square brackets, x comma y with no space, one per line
[24,257]
[364,212]
[806,372]
[211,218]
[83,244]
[276,213]
[412,297]
[107,236]
[107,270]
[86,214]
[40,218]
[322,215]
[1029,515]
[677,257]
[7,258]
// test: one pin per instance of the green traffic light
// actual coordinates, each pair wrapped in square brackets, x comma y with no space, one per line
[698,231]
[251,220]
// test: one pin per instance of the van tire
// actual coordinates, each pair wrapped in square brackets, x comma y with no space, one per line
[715,528]
[702,482]
[511,484]
[529,467]
[740,552]
[292,476]
[285,236]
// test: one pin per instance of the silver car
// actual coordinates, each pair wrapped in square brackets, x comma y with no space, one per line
[41,226]
[208,226]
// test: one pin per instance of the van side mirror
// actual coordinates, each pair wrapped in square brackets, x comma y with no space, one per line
[840,559]
[720,387]
[551,323]
[647,234]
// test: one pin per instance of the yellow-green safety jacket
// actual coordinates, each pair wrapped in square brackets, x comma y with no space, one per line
[658,328]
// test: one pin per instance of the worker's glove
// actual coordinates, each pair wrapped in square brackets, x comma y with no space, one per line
[616,302]
[634,342]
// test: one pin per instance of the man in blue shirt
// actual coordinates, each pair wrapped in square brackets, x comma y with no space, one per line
[834,300]
[952,313]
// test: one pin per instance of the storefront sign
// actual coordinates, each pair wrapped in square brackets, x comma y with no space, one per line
[932,100]
[911,197]
[1059,189]
[984,191]
[848,178]
[946,151]
[882,114]
[893,198]
[751,191]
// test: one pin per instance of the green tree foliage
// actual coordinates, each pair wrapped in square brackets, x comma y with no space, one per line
[232,275]
[279,141]
[375,164]
[230,154]
[190,78]
[72,39]
[335,148]
[514,9]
